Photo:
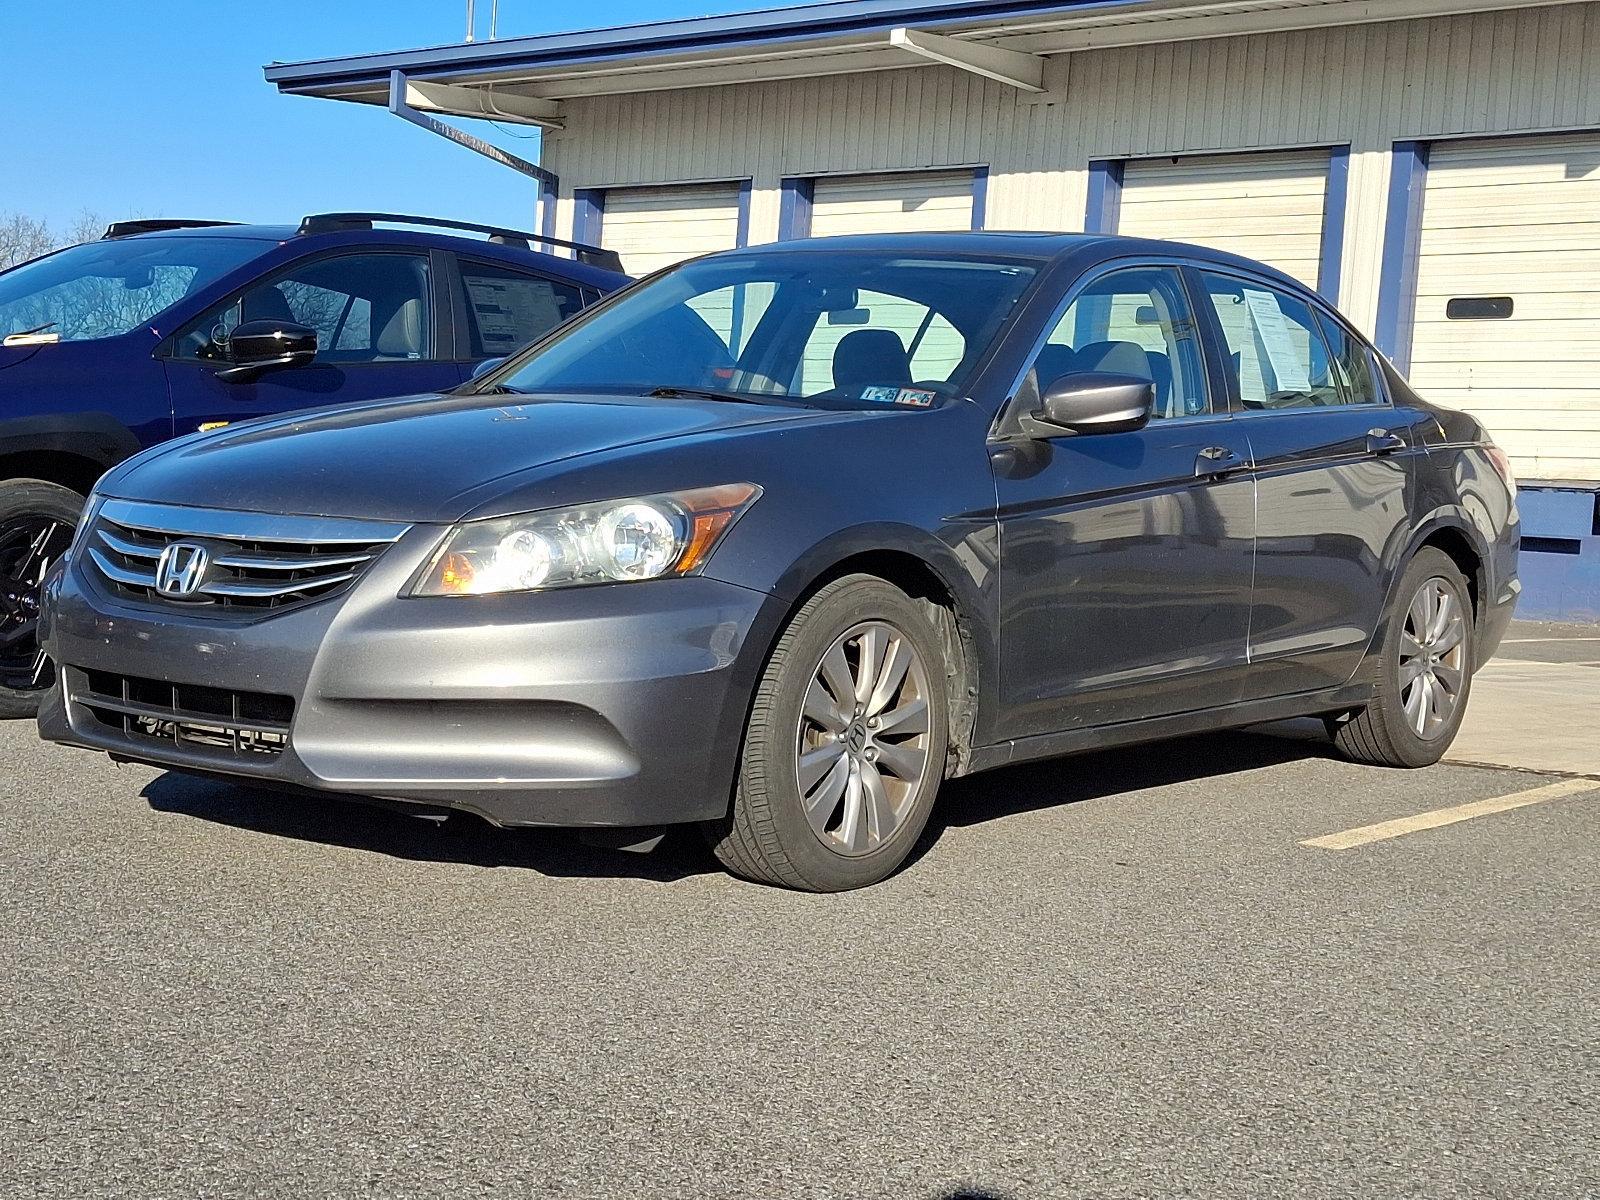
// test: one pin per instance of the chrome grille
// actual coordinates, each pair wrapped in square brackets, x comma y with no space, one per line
[246,562]
[243,724]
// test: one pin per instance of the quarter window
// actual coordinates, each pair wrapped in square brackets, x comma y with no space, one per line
[1276,355]
[364,307]
[1352,363]
[507,309]
[1132,322]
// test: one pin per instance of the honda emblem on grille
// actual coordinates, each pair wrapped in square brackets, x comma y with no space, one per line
[181,569]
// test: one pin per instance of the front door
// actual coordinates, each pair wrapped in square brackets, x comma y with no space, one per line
[1332,469]
[1125,558]
[375,318]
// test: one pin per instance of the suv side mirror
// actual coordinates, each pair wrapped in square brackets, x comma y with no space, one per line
[257,346]
[1096,402]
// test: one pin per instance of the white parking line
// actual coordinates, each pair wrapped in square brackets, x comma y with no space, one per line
[1366,834]
[1526,641]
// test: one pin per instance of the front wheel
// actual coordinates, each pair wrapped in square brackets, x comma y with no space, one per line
[36,524]
[844,749]
[1424,670]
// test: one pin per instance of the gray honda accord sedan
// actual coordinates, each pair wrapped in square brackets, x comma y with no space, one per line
[776,541]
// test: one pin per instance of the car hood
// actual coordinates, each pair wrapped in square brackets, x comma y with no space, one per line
[414,459]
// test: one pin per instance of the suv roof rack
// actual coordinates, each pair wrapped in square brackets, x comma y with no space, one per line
[595,256]
[157,225]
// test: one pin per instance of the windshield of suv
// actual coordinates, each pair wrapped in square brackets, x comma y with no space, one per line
[829,328]
[104,289]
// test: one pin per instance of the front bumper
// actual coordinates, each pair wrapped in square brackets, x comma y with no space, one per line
[605,706]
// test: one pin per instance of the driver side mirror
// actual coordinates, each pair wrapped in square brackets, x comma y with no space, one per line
[485,367]
[258,346]
[1095,402]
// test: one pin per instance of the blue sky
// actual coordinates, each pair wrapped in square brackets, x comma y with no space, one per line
[166,113]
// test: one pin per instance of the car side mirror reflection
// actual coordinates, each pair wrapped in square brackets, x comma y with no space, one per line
[485,367]
[258,346]
[1095,402]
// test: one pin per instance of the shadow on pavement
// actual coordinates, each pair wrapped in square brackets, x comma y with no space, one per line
[1058,781]
[462,838]
[469,841]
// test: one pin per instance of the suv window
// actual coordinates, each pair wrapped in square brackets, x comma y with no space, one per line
[507,309]
[1131,322]
[364,307]
[1276,355]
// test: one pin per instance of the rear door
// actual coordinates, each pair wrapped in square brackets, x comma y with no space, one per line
[1332,461]
[380,332]
[1126,558]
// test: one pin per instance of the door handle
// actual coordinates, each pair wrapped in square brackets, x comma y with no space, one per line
[1381,441]
[1216,461]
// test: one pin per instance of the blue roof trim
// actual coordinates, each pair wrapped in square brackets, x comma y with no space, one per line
[669,37]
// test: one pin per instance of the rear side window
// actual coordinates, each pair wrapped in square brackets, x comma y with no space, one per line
[1275,352]
[507,309]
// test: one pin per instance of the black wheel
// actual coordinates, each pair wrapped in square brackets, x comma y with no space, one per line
[1425,670]
[845,746]
[36,524]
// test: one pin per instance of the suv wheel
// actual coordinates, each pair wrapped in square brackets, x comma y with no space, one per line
[36,524]
[1425,672]
[845,745]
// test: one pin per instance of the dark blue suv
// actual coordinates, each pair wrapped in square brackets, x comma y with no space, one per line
[166,327]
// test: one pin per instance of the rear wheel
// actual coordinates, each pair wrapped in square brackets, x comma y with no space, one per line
[845,746]
[36,524]
[1425,670]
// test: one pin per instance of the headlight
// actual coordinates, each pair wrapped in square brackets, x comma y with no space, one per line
[614,541]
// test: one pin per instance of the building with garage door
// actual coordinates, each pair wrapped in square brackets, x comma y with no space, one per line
[1432,166]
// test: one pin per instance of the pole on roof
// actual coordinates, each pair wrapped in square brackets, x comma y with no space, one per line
[471,23]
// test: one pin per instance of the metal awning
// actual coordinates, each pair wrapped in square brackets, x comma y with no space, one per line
[525,79]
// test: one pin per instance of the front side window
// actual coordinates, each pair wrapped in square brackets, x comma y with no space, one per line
[364,307]
[507,309]
[824,328]
[1275,352]
[108,288]
[1130,322]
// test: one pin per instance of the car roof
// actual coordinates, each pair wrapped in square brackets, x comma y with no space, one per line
[415,238]
[1042,246]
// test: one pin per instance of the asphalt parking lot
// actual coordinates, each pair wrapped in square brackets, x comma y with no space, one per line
[1118,975]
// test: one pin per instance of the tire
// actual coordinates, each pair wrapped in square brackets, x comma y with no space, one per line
[36,524]
[786,826]
[1387,733]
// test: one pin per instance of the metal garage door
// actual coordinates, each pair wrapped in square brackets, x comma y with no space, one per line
[1265,206]
[653,228]
[892,203]
[1515,220]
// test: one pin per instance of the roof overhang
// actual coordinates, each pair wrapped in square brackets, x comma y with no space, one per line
[525,79]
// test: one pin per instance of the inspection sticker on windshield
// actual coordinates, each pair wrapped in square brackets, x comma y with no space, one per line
[880,395]
[915,398]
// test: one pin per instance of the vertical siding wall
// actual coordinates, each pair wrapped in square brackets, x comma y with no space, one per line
[1367,86]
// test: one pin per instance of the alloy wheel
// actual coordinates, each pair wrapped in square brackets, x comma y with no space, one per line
[1433,658]
[29,547]
[861,758]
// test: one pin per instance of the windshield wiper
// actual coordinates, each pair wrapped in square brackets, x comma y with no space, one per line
[502,389]
[35,329]
[678,393]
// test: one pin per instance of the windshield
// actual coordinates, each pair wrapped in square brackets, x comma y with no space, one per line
[837,329]
[103,289]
